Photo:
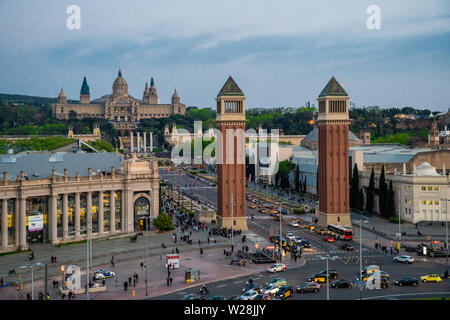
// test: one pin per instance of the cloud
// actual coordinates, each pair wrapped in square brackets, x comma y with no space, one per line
[280,52]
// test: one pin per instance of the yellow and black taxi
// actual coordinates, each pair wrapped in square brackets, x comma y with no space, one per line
[321,231]
[262,211]
[285,291]
[252,206]
[432,277]
[322,276]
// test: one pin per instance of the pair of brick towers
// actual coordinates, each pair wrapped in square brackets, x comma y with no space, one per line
[333,169]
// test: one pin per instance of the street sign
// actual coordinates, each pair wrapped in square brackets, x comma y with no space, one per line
[398,234]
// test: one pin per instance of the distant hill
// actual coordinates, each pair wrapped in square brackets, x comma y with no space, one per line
[30,100]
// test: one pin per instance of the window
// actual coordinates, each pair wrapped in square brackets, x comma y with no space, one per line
[436,188]
[430,202]
[424,188]
[430,188]
[424,202]
[436,202]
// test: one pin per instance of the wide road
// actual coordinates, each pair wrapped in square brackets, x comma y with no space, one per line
[294,277]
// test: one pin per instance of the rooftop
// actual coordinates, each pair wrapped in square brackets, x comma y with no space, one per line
[40,165]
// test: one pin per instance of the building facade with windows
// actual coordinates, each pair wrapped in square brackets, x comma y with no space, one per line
[119,106]
[58,198]
[420,195]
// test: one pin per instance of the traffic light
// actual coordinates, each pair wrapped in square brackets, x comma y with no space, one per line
[63,268]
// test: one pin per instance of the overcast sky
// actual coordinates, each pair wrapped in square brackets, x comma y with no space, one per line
[280,53]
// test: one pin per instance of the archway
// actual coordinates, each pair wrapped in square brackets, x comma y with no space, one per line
[141,214]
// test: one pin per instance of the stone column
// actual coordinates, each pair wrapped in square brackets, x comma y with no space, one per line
[4,222]
[53,217]
[131,142]
[77,214]
[145,141]
[112,213]
[151,142]
[89,213]
[65,218]
[137,142]
[22,223]
[101,222]
[17,220]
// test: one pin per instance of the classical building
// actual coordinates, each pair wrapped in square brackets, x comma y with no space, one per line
[419,195]
[118,106]
[56,198]
[231,188]
[333,126]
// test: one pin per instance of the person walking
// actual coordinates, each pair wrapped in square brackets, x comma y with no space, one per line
[201,250]
[112,261]
[125,286]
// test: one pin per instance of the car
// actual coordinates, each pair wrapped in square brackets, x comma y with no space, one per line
[342,283]
[193,296]
[270,289]
[283,211]
[252,286]
[370,269]
[407,281]
[218,298]
[284,292]
[322,276]
[304,243]
[294,224]
[103,274]
[404,259]
[276,216]
[249,295]
[321,231]
[347,247]
[328,239]
[262,297]
[277,267]
[309,286]
[432,277]
[290,236]
[277,281]
[252,206]
[262,211]
[384,282]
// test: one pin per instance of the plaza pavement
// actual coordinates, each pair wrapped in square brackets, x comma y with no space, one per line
[128,255]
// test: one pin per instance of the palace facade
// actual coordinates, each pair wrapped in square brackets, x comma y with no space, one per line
[119,107]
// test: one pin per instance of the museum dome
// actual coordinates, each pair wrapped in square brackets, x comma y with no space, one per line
[120,86]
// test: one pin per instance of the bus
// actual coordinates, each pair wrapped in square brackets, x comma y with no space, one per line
[340,232]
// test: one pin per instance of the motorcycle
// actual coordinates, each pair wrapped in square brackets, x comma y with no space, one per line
[204,290]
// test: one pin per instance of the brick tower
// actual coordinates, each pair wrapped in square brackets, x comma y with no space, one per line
[230,154]
[333,123]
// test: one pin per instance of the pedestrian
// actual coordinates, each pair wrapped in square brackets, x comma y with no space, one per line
[47,296]
[129,280]
[232,248]
[28,296]
[125,286]
[134,282]
[177,251]
[160,255]
[170,280]
[201,250]
[136,276]
[103,282]
[112,261]
[142,266]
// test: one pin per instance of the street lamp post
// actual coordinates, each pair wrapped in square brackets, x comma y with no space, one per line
[30,266]
[146,258]
[232,219]
[446,229]
[360,221]
[281,239]
[327,257]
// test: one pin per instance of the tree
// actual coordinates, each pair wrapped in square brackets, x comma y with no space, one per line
[297,178]
[163,221]
[354,189]
[370,192]
[304,185]
[390,203]
[382,193]
[361,199]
